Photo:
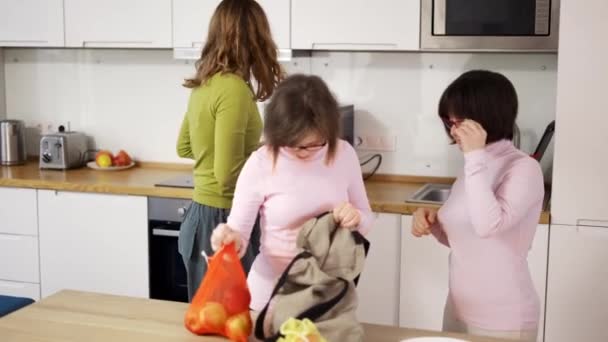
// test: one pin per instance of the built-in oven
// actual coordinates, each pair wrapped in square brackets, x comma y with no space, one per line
[494,25]
[168,280]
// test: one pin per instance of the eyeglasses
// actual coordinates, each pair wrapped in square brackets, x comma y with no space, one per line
[450,122]
[309,148]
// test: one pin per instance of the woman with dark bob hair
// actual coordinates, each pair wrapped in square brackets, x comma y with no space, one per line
[490,218]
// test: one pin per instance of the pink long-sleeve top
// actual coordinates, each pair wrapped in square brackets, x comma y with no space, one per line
[489,222]
[286,198]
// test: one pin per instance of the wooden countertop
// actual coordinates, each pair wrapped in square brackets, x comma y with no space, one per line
[387,194]
[81,316]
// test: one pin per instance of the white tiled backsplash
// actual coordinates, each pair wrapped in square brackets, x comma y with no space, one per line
[133,100]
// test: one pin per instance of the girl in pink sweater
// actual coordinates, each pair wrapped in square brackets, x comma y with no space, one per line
[492,213]
[302,171]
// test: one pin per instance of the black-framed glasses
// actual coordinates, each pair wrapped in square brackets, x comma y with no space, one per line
[310,148]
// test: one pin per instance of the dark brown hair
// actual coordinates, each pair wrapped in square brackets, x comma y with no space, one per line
[240,42]
[486,97]
[302,104]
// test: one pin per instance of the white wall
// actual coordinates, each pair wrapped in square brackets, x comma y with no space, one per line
[132,99]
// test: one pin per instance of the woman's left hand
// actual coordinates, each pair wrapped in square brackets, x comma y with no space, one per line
[347,216]
[471,135]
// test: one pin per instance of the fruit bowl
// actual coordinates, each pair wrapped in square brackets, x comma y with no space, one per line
[94,166]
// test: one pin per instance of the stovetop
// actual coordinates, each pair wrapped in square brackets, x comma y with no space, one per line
[178,182]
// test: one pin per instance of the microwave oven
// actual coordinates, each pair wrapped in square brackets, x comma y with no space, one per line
[489,25]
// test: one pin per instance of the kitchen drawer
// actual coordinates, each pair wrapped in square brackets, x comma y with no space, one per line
[19,255]
[16,289]
[18,211]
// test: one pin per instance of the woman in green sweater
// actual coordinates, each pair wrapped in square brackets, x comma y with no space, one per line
[222,125]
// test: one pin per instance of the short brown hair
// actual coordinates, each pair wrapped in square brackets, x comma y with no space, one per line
[486,97]
[240,42]
[302,104]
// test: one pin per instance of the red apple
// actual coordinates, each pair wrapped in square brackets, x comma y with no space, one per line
[122,158]
[238,327]
[192,321]
[236,299]
[213,317]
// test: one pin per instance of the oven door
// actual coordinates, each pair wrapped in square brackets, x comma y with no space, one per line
[168,280]
[493,25]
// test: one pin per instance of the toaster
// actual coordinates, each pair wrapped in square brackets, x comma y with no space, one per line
[63,150]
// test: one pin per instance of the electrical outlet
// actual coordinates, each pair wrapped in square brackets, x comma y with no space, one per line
[386,143]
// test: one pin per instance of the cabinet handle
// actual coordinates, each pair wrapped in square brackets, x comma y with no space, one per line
[592,223]
[165,232]
[197,45]
[11,237]
[24,41]
[11,285]
[594,232]
[355,46]
[110,42]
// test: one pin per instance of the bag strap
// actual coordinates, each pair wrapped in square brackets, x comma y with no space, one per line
[259,323]
[360,240]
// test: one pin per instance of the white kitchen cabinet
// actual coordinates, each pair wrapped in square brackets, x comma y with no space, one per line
[378,288]
[537,262]
[424,280]
[19,255]
[20,289]
[580,186]
[19,258]
[191,21]
[577,294]
[425,275]
[93,242]
[118,23]
[355,25]
[31,23]
[18,213]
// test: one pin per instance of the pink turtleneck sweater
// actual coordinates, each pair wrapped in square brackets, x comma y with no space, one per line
[286,198]
[489,222]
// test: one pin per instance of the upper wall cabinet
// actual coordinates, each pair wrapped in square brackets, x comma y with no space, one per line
[31,23]
[118,23]
[355,24]
[191,21]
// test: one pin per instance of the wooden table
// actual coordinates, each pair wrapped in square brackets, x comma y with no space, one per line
[91,317]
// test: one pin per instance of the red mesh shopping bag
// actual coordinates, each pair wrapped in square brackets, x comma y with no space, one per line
[221,304]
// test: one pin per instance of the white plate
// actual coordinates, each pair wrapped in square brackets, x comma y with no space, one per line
[94,166]
[433,339]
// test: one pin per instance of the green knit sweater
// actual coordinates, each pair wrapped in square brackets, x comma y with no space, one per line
[220,130]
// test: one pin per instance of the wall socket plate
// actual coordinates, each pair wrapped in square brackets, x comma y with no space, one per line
[385,143]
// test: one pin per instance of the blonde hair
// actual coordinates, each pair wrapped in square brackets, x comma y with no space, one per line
[240,42]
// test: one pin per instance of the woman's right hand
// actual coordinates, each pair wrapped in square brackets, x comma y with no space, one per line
[424,218]
[224,235]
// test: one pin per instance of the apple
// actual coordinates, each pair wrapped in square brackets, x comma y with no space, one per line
[122,158]
[238,327]
[236,299]
[192,322]
[103,158]
[213,317]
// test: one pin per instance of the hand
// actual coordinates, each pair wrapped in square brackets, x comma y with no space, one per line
[471,136]
[424,218]
[347,215]
[224,235]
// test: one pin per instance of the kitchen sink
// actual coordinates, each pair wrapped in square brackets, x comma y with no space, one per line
[431,193]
